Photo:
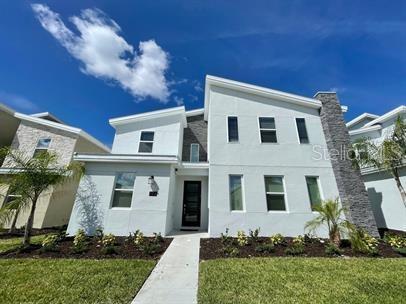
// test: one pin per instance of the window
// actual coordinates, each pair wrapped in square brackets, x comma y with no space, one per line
[275,193]
[232,129]
[146,142]
[123,190]
[10,198]
[235,182]
[194,153]
[301,130]
[42,146]
[267,130]
[313,189]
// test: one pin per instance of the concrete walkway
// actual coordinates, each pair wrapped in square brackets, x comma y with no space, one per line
[174,279]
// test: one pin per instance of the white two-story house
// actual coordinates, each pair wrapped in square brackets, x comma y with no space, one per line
[384,195]
[252,157]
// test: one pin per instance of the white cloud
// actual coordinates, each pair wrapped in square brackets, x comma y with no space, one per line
[179,100]
[16,101]
[107,55]
[197,86]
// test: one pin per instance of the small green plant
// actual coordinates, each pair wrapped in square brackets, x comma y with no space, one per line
[150,247]
[109,241]
[395,240]
[362,242]
[332,249]
[231,251]
[297,246]
[277,239]
[226,239]
[139,238]
[401,251]
[158,238]
[80,241]
[265,248]
[242,238]
[254,234]
[99,234]
[50,243]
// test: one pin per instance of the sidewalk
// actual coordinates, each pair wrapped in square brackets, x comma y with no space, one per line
[174,279]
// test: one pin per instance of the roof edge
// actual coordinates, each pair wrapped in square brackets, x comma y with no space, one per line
[359,118]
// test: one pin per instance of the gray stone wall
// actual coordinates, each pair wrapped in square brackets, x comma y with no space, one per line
[196,132]
[351,188]
[28,134]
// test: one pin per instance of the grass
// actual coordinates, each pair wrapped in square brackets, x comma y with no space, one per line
[14,243]
[302,280]
[72,281]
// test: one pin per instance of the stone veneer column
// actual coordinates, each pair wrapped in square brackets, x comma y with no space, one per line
[351,187]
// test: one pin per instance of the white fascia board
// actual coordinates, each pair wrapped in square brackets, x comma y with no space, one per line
[189,165]
[45,114]
[360,118]
[365,130]
[62,127]
[195,112]
[387,116]
[255,90]
[148,115]
[121,158]
[6,109]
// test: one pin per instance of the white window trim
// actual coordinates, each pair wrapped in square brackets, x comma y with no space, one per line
[122,190]
[146,141]
[278,193]
[198,152]
[320,191]
[42,149]
[10,195]
[238,130]
[242,194]
[265,129]
[297,131]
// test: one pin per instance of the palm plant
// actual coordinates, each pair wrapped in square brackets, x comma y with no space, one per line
[330,213]
[388,155]
[31,177]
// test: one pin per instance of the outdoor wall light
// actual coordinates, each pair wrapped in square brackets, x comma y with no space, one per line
[151,180]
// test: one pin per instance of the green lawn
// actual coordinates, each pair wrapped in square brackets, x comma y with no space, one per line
[302,280]
[14,243]
[72,281]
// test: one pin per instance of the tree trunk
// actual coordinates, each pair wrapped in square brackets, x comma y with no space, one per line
[335,237]
[399,185]
[30,222]
[12,229]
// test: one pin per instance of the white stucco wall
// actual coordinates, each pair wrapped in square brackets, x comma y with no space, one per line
[167,136]
[254,160]
[93,201]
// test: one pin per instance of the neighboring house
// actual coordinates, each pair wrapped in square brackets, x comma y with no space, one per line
[45,132]
[252,157]
[8,126]
[387,204]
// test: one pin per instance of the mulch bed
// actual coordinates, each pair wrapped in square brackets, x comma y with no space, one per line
[124,250]
[212,248]
[20,232]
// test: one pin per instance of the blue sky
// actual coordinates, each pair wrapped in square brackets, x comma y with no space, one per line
[57,63]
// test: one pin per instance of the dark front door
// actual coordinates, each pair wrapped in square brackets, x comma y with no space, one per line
[191,204]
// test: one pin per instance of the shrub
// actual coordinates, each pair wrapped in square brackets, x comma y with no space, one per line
[226,239]
[362,242]
[231,251]
[99,234]
[297,246]
[50,243]
[158,238]
[265,248]
[277,239]
[254,234]
[138,238]
[80,241]
[401,251]
[332,249]
[242,238]
[109,241]
[395,240]
[150,248]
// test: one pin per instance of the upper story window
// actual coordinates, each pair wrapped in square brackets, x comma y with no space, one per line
[232,129]
[146,142]
[42,146]
[235,189]
[302,131]
[275,193]
[267,130]
[123,190]
[314,190]
[194,153]
[11,197]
